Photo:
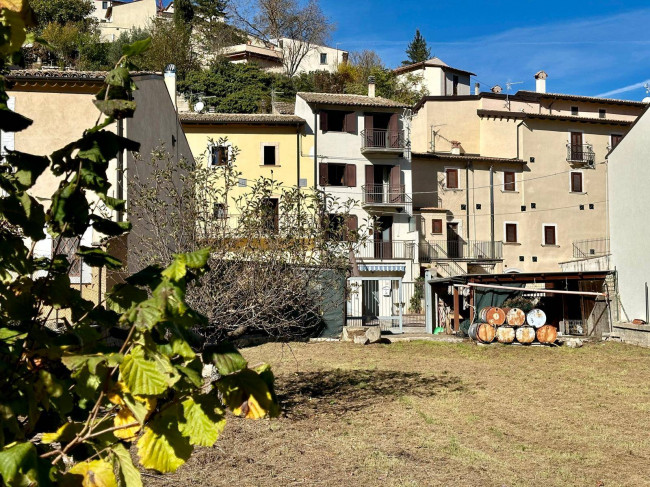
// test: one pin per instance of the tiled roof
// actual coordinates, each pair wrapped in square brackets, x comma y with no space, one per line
[433,62]
[349,100]
[463,157]
[284,108]
[56,74]
[240,118]
[593,99]
[546,116]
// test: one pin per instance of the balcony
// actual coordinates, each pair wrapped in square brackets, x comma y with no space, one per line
[584,249]
[580,154]
[387,250]
[386,195]
[378,140]
[470,251]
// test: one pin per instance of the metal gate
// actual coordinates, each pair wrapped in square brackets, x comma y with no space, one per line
[376,301]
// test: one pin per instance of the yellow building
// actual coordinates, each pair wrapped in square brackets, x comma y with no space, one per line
[269,146]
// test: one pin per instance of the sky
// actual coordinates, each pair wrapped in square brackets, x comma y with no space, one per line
[596,48]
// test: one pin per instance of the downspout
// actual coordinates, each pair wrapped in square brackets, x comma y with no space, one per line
[492,208]
[467,197]
[298,155]
[316,150]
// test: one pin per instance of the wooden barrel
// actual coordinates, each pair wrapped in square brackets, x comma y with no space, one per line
[515,316]
[547,334]
[492,315]
[525,334]
[536,318]
[481,332]
[505,334]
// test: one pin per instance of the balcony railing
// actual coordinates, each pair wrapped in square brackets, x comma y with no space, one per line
[388,250]
[597,247]
[385,195]
[378,140]
[471,250]
[583,154]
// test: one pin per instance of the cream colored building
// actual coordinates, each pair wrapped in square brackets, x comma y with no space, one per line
[436,77]
[60,103]
[514,183]
[122,17]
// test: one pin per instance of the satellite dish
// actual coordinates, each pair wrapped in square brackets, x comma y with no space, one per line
[646,99]
[199,107]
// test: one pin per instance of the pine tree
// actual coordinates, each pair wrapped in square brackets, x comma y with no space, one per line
[417,51]
[183,12]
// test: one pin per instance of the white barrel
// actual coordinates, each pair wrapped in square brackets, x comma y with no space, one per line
[536,318]
[505,334]
[525,334]
[515,317]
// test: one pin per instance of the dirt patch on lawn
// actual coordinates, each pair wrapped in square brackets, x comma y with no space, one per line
[426,413]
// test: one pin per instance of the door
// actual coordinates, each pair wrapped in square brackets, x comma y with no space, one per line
[453,241]
[383,238]
[369,301]
[395,180]
[576,146]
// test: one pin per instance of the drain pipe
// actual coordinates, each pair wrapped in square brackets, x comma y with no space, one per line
[467,198]
[316,150]
[492,208]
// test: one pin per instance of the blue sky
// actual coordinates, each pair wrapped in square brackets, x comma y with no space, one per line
[587,48]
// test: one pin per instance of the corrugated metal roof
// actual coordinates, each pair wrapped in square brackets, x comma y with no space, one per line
[240,118]
[350,100]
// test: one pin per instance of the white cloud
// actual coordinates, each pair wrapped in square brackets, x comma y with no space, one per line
[625,89]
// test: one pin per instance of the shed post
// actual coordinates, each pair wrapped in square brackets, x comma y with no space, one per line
[428,303]
[471,305]
[456,311]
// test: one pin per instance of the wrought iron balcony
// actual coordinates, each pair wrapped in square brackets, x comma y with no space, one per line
[472,250]
[581,154]
[385,195]
[388,250]
[596,247]
[378,140]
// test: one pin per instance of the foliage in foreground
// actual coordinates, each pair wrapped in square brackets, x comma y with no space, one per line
[75,395]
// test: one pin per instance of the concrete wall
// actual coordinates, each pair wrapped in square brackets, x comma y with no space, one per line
[629,173]
[127,16]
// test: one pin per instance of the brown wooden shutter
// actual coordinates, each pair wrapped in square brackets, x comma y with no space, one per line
[323,121]
[616,139]
[368,121]
[576,182]
[322,173]
[351,122]
[511,232]
[350,175]
[393,131]
[436,226]
[508,181]
[549,235]
[353,227]
[395,187]
[452,178]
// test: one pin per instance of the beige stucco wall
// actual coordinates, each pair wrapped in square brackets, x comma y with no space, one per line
[629,174]
[127,16]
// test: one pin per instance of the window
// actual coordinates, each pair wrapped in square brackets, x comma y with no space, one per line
[323,58]
[455,85]
[602,113]
[511,232]
[574,111]
[615,139]
[334,226]
[270,214]
[338,121]
[104,5]
[269,155]
[509,181]
[219,211]
[68,246]
[451,178]
[332,174]
[219,155]
[436,226]
[576,182]
[550,237]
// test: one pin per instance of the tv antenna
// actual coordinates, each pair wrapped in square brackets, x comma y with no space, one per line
[509,85]
[647,93]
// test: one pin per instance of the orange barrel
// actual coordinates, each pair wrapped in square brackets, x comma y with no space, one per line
[492,315]
[515,316]
[546,334]
[536,318]
[505,334]
[481,332]
[525,334]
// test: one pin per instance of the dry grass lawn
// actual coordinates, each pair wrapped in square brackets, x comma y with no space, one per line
[428,413]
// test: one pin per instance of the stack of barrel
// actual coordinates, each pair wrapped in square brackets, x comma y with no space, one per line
[510,325]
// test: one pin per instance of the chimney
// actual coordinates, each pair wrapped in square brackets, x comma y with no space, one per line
[477,88]
[455,147]
[371,86]
[170,82]
[540,81]
[496,89]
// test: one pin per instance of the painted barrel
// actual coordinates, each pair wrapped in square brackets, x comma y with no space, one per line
[547,334]
[481,332]
[525,334]
[505,334]
[536,318]
[515,316]
[492,315]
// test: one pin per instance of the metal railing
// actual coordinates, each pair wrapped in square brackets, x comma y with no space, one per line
[475,250]
[387,250]
[580,153]
[595,247]
[381,139]
[385,194]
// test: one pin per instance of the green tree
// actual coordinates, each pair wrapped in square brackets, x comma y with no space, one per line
[75,395]
[417,50]
[183,12]
[61,12]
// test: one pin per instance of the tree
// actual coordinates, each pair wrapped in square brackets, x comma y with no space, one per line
[295,29]
[74,395]
[183,12]
[274,270]
[62,12]
[417,50]
[170,43]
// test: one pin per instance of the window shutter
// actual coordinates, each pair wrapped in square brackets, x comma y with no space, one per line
[353,227]
[452,178]
[549,235]
[322,173]
[576,182]
[508,181]
[368,121]
[351,122]
[436,226]
[323,121]
[511,232]
[615,140]
[350,175]
[393,131]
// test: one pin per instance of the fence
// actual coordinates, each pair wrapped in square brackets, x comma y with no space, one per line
[387,250]
[590,248]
